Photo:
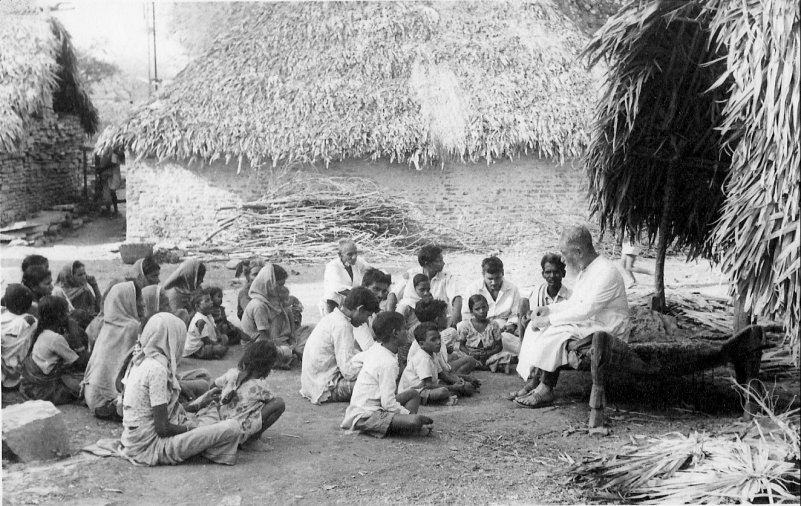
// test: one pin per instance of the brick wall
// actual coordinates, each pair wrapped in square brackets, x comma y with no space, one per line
[46,170]
[503,201]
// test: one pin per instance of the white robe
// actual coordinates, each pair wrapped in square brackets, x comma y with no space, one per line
[598,303]
[337,279]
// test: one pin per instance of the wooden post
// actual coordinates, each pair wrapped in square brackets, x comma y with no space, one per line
[600,356]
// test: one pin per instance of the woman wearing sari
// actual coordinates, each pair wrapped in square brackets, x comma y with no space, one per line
[195,382]
[156,427]
[265,316]
[146,271]
[117,337]
[179,286]
[80,290]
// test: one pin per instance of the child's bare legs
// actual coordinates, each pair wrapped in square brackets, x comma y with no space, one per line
[408,424]
[464,365]
[465,389]
[439,395]
[410,400]
[270,413]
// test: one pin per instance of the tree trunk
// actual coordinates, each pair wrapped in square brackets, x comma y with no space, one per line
[663,240]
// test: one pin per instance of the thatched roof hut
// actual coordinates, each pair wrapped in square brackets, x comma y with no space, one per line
[409,81]
[37,70]
[697,137]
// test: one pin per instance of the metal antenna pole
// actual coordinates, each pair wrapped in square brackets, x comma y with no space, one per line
[155,59]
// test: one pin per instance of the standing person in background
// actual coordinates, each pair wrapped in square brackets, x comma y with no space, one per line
[107,168]
[342,274]
[443,284]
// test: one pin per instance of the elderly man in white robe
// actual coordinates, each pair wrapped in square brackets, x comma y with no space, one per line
[598,304]
[342,274]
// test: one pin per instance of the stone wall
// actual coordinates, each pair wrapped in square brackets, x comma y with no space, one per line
[504,201]
[46,170]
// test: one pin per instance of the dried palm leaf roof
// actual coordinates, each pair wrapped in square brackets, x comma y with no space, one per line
[37,69]
[410,81]
[709,89]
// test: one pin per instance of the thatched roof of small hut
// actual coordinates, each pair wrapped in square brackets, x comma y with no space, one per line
[709,90]
[410,81]
[37,69]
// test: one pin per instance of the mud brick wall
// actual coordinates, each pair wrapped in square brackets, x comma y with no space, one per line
[47,168]
[504,201]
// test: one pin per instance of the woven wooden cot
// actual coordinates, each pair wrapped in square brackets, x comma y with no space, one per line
[601,354]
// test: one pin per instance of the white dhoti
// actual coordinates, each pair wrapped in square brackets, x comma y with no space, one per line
[546,349]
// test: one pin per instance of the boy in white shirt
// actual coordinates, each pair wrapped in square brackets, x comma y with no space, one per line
[202,340]
[422,371]
[374,408]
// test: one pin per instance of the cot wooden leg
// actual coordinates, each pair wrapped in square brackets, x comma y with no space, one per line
[600,355]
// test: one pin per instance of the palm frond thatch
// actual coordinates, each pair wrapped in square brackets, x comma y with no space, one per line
[759,232]
[759,463]
[655,124]
[409,81]
[37,70]
[700,115]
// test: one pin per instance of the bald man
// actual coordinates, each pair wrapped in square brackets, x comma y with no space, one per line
[598,304]
[342,274]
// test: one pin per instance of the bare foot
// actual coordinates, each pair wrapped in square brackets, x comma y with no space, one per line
[256,445]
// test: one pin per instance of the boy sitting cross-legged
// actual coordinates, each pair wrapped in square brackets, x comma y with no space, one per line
[422,370]
[374,408]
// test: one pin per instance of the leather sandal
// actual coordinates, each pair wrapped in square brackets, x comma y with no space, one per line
[533,400]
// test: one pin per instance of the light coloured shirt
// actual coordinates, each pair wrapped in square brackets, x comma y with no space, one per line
[194,337]
[443,286]
[146,386]
[375,386]
[539,296]
[337,279]
[598,302]
[50,350]
[418,367]
[328,355]
[364,335]
[503,309]
[16,342]
[448,337]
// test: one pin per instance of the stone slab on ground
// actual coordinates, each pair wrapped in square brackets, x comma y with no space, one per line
[35,430]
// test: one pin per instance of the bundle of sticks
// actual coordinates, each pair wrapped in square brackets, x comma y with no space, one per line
[304,218]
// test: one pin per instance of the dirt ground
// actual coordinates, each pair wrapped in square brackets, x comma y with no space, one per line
[484,450]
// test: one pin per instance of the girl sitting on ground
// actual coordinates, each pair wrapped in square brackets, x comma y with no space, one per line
[17,327]
[250,268]
[52,371]
[374,408]
[245,395]
[117,336]
[39,281]
[202,339]
[479,337]
[221,323]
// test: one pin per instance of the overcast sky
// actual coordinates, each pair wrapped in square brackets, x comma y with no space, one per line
[116,31]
